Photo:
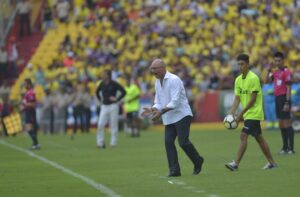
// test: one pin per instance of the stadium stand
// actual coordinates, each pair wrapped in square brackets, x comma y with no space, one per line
[199,40]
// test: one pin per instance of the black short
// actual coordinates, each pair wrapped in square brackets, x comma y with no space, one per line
[279,103]
[30,117]
[252,127]
[132,115]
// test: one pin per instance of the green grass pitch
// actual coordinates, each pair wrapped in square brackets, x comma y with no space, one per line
[137,167]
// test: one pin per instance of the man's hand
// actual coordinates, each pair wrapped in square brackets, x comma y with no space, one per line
[156,115]
[146,112]
[286,107]
[238,117]
[113,99]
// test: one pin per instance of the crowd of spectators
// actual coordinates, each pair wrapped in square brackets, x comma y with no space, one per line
[198,40]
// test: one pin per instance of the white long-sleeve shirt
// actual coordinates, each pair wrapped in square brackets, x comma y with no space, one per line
[171,94]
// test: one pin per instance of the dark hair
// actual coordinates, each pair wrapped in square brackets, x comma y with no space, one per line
[108,72]
[279,54]
[243,57]
[29,82]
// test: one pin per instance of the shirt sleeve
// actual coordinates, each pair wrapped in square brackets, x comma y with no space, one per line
[122,90]
[31,98]
[236,88]
[175,89]
[157,104]
[287,76]
[256,85]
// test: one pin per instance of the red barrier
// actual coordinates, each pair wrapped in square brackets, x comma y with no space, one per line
[207,107]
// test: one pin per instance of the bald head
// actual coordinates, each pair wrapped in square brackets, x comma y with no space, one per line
[158,68]
[158,63]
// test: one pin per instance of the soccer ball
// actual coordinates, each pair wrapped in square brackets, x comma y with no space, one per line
[230,122]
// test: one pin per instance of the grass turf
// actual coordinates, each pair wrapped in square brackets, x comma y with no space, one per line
[137,167]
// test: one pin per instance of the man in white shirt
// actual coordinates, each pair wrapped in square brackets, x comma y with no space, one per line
[62,9]
[172,105]
[24,9]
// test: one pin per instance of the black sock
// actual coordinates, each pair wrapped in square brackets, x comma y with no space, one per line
[284,135]
[291,134]
[33,136]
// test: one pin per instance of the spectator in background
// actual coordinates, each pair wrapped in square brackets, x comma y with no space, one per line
[61,99]
[48,22]
[40,76]
[3,64]
[107,94]
[47,123]
[87,109]
[132,106]
[62,9]
[13,56]
[5,110]
[79,111]
[23,10]
[269,105]
[69,60]
[1,119]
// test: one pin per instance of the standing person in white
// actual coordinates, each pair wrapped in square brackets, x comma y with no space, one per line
[107,94]
[172,105]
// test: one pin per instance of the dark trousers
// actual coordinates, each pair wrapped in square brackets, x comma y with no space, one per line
[24,24]
[180,129]
[79,112]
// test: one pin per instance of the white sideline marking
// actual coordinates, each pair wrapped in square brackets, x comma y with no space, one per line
[103,189]
[190,188]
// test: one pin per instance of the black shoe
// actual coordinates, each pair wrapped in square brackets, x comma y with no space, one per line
[101,146]
[198,167]
[174,174]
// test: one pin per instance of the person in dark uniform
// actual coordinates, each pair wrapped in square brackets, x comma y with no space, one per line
[172,105]
[28,107]
[107,94]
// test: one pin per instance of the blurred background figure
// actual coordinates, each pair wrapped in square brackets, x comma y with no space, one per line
[62,98]
[47,114]
[109,93]
[13,55]
[48,17]
[132,106]
[5,110]
[23,10]
[62,11]
[269,105]
[79,111]
[3,64]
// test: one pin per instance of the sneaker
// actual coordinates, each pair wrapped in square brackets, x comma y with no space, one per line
[35,147]
[270,166]
[291,152]
[283,152]
[232,166]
